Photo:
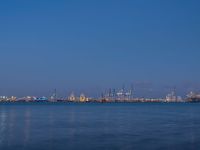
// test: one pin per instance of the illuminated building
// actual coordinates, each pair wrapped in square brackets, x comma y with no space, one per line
[72,97]
[82,98]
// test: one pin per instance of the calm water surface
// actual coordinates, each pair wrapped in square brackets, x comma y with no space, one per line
[63,126]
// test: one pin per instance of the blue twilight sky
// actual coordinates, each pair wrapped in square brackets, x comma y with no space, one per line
[89,45]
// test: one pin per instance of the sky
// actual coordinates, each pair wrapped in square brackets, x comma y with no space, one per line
[87,46]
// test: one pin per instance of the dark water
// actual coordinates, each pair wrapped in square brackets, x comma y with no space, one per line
[148,126]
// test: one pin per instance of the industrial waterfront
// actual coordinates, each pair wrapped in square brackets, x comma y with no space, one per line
[108,96]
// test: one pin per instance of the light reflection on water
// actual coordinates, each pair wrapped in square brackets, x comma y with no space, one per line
[99,126]
[2,125]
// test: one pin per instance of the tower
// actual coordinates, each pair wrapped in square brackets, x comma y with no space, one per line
[53,98]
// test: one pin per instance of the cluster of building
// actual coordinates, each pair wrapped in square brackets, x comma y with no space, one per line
[193,97]
[54,98]
[6,98]
[111,95]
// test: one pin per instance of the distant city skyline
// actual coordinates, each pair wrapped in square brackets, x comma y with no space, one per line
[89,46]
[146,90]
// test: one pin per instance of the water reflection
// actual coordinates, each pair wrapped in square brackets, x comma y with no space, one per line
[27,125]
[2,125]
[100,126]
[11,117]
[70,120]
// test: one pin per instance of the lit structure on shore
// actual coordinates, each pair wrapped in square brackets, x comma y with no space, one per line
[111,95]
[6,98]
[82,98]
[121,95]
[72,97]
[193,97]
[172,97]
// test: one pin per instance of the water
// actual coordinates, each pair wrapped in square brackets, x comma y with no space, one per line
[64,126]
